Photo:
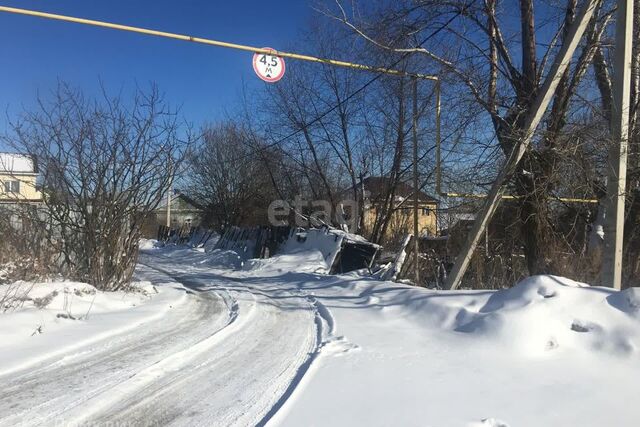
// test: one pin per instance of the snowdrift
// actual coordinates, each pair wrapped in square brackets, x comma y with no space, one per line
[540,316]
[198,257]
[204,256]
[321,251]
[313,250]
[148,244]
[41,320]
[547,352]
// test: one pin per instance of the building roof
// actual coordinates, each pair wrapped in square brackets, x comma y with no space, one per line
[376,186]
[17,163]
[178,196]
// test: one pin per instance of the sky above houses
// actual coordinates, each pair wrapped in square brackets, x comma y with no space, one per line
[206,82]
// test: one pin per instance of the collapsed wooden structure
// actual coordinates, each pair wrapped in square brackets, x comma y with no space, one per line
[351,252]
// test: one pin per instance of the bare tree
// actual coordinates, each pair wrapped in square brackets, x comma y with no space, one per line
[227,174]
[474,51]
[338,126]
[103,168]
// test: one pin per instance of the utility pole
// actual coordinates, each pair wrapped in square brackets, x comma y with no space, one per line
[169,195]
[561,62]
[616,182]
[438,155]
[416,193]
[169,207]
[438,141]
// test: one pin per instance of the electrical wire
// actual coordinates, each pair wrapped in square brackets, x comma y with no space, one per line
[354,93]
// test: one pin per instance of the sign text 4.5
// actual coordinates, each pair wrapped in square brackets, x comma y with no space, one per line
[269,68]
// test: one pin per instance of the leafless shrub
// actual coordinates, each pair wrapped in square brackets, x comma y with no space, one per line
[13,296]
[24,250]
[104,166]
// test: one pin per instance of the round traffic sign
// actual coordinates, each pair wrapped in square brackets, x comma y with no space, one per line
[269,68]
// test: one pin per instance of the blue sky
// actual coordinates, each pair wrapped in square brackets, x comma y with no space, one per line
[206,81]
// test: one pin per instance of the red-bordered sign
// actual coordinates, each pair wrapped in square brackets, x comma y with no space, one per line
[269,68]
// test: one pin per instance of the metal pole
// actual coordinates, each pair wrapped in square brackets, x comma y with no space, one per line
[616,183]
[218,43]
[416,193]
[169,208]
[511,197]
[438,141]
[438,153]
[538,109]
[170,190]
[466,195]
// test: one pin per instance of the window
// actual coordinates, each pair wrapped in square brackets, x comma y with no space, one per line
[425,211]
[12,187]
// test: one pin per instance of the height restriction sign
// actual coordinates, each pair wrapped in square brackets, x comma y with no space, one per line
[269,68]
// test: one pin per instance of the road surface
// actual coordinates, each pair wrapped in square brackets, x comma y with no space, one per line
[231,355]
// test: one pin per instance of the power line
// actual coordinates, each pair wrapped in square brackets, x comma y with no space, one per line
[380,70]
[356,92]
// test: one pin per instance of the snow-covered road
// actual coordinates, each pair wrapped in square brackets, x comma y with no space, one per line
[236,376]
[226,355]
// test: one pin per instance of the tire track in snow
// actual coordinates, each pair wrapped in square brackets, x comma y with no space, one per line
[324,324]
[175,362]
[330,343]
[241,378]
[325,339]
[56,389]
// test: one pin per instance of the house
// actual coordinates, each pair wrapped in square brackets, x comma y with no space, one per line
[502,235]
[375,190]
[18,176]
[184,213]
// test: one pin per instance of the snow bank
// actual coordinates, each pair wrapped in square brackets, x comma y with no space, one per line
[549,351]
[545,313]
[198,257]
[218,259]
[308,251]
[46,319]
[148,244]
[201,239]
[539,316]
[313,250]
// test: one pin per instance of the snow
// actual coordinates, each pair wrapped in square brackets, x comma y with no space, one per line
[148,244]
[316,248]
[17,163]
[596,234]
[525,356]
[198,257]
[53,318]
[279,341]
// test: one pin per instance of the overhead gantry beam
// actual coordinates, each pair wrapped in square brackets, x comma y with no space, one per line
[211,42]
